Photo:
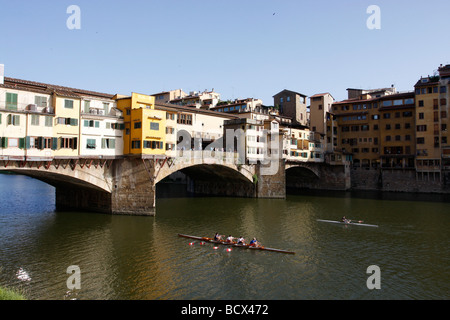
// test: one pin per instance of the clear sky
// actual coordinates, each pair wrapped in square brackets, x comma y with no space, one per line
[246,48]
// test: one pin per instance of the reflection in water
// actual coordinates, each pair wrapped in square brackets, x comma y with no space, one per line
[124,257]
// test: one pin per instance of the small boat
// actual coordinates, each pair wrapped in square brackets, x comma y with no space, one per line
[350,223]
[234,244]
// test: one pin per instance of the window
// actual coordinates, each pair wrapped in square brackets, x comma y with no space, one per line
[421,140]
[136,144]
[68,143]
[13,120]
[67,121]
[387,116]
[108,143]
[443,89]
[40,101]
[48,121]
[34,120]
[388,127]
[68,104]
[92,123]
[12,142]
[422,128]
[388,138]
[151,144]
[106,107]
[154,126]
[90,143]
[11,101]
[137,125]
[420,103]
[184,119]
[87,106]
[407,114]
[421,115]
[288,99]
[387,103]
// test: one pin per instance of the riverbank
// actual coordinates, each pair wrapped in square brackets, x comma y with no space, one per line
[8,294]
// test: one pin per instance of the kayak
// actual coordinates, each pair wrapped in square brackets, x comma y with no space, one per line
[350,223]
[234,244]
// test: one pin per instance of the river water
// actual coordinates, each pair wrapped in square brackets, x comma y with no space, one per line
[142,258]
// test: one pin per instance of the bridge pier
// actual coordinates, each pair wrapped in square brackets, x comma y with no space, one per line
[133,189]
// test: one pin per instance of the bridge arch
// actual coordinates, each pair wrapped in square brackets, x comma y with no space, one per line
[206,171]
[65,178]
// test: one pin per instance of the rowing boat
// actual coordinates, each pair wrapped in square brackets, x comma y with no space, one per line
[234,244]
[350,223]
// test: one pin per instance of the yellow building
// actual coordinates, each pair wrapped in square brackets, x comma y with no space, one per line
[66,126]
[145,127]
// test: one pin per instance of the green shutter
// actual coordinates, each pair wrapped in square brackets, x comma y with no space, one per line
[21,143]
[86,123]
[103,143]
[11,101]
[54,143]
[27,143]
[97,124]
[112,143]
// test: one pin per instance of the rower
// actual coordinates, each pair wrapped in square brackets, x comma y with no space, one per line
[254,243]
[345,220]
[241,240]
[218,237]
[230,239]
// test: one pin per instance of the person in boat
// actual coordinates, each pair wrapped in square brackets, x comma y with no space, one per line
[230,239]
[254,243]
[345,220]
[217,237]
[241,240]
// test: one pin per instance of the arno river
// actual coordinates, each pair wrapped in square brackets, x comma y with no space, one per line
[136,258]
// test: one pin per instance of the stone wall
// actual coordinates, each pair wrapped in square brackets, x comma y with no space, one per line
[392,180]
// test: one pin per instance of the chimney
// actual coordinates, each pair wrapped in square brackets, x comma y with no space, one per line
[2,73]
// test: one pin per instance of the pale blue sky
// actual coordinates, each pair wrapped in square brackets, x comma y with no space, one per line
[242,49]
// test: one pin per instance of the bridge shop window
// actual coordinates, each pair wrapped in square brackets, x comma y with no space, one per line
[184,119]
[136,144]
[13,120]
[90,144]
[92,123]
[151,144]
[67,121]
[154,126]
[68,143]
[108,143]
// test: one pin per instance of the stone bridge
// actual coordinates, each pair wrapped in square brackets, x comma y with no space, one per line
[127,185]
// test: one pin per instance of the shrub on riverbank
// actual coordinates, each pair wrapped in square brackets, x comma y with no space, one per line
[8,294]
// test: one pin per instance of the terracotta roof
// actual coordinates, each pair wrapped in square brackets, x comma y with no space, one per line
[51,88]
